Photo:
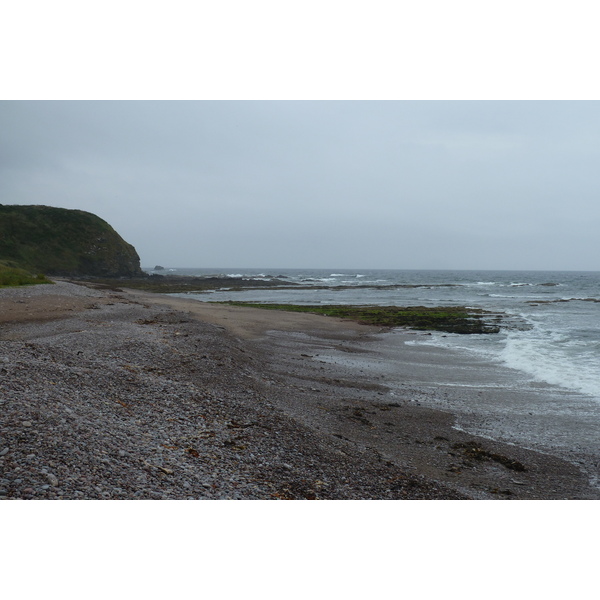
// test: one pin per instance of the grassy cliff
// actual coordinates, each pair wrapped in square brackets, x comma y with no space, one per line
[59,241]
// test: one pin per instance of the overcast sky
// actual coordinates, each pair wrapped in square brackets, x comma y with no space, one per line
[331,184]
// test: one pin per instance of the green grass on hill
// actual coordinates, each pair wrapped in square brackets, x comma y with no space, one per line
[11,276]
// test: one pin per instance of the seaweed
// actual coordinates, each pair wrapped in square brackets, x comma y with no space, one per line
[475,451]
[450,319]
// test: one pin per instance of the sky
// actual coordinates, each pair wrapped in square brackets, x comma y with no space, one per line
[320,184]
[480,157]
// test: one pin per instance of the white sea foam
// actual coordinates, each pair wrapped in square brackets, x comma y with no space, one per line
[553,357]
[523,297]
[500,296]
[548,356]
[580,299]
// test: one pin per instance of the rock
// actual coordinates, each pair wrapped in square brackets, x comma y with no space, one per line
[27,424]
[52,479]
[4,451]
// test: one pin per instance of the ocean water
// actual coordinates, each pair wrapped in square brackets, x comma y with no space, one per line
[551,328]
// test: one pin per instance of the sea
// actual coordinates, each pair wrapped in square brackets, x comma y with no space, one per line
[551,327]
[548,343]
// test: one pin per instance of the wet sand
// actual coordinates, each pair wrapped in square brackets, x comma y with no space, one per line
[423,407]
[344,419]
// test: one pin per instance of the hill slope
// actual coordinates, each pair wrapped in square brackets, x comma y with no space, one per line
[60,241]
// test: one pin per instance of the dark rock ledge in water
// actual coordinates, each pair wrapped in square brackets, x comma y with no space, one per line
[175,284]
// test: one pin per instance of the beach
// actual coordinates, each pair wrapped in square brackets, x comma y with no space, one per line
[122,394]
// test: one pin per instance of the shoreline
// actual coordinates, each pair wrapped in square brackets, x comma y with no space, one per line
[162,397]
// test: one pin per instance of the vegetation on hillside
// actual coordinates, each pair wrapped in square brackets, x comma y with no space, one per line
[59,241]
[13,276]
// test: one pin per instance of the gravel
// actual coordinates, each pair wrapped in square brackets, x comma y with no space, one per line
[122,400]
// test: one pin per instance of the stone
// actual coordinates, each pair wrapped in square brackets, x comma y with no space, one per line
[27,424]
[4,451]
[52,479]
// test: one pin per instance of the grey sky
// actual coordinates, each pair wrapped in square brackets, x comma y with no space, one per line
[348,184]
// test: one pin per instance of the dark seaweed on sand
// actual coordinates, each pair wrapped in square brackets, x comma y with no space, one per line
[451,319]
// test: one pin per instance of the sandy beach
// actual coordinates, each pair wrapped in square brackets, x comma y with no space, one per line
[119,394]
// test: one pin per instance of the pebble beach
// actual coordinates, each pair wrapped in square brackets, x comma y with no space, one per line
[112,394]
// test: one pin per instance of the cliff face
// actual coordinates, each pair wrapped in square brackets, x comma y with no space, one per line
[60,241]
